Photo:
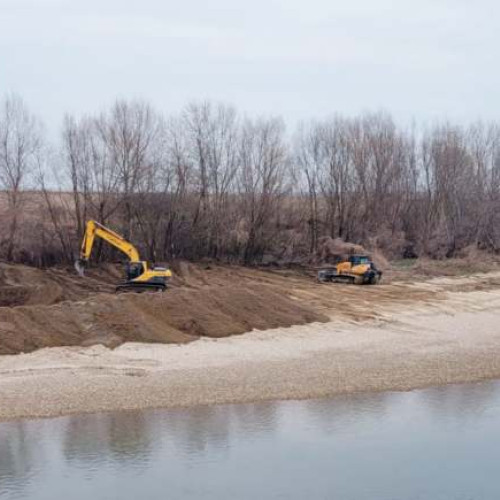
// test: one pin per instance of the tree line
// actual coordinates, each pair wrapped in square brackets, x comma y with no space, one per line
[210,183]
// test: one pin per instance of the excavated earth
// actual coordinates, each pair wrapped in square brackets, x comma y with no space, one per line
[55,307]
[71,345]
[48,308]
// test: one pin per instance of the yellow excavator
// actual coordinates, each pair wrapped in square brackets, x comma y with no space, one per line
[140,277]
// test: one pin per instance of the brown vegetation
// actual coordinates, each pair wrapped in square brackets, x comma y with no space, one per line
[211,184]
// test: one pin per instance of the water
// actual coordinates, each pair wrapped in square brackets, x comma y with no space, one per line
[441,443]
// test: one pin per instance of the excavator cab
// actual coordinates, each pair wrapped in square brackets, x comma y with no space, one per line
[357,260]
[134,270]
[140,277]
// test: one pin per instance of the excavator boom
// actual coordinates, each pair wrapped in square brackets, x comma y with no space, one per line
[94,229]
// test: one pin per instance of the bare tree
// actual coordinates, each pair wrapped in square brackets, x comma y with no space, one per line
[20,144]
[130,132]
[212,134]
[206,183]
[263,160]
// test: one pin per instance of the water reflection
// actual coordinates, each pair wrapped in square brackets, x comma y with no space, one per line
[206,428]
[18,456]
[349,410]
[365,446]
[452,400]
[123,438]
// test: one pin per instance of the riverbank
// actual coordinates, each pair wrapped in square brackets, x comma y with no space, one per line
[447,334]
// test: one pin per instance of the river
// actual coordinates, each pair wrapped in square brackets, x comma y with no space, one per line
[435,444]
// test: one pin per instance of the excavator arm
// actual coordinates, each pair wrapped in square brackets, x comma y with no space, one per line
[93,230]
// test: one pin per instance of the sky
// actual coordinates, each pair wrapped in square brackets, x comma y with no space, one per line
[419,60]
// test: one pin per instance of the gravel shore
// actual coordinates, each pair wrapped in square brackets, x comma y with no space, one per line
[452,340]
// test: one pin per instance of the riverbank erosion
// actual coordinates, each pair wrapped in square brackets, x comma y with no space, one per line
[396,336]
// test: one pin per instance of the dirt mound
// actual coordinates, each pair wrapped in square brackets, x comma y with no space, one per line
[331,249]
[23,285]
[178,316]
[57,308]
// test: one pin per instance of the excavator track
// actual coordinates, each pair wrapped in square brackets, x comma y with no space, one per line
[140,287]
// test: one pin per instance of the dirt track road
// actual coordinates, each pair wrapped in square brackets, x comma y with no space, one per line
[410,335]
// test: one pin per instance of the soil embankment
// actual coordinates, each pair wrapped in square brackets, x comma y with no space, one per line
[395,336]
[56,307]
[444,336]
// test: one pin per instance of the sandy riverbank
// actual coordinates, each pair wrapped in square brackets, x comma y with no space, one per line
[453,338]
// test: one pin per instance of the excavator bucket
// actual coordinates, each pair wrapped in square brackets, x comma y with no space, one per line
[80,267]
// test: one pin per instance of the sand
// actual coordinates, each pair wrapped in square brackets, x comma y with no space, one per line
[444,331]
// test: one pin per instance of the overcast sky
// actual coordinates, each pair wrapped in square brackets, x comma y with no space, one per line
[421,59]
